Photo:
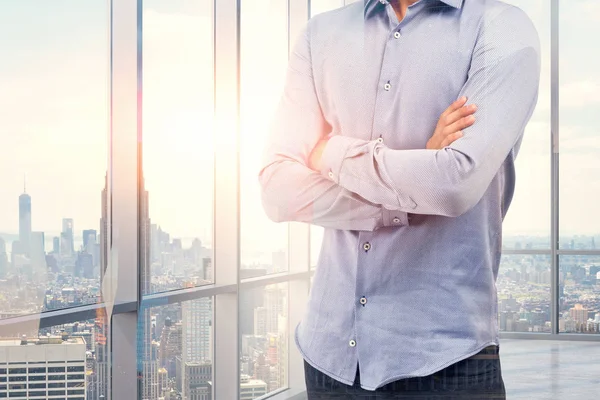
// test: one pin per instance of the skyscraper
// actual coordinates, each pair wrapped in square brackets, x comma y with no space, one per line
[39,363]
[102,350]
[148,362]
[3,259]
[104,231]
[67,246]
[25,222]
[37,254]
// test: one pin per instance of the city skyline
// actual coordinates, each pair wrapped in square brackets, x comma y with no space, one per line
[182,113]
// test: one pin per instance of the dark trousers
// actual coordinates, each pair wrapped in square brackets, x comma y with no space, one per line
[477,377]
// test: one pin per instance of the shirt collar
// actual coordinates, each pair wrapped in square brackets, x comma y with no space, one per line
[370,5]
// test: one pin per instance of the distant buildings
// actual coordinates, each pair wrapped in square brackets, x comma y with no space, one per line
[24,222]
[45,367]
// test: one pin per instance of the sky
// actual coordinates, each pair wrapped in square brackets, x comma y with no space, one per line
[54,115]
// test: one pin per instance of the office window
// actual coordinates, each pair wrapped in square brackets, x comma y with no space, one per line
[264,340]
[320,6]
[177,349]
[54,125]
[579,120]
[316,243]
[178,171]
[527,224]
[264,54]
[524,293]
[579,294]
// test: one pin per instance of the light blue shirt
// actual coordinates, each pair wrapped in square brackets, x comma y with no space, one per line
[405,281]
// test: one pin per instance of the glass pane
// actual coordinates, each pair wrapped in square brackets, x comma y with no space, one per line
[528,219]
[178,143]
[264,50]
[63,360]
[265,340]
[54,127]
[579,294]
[316,241]
[579,120]
[524,293]
[320,6]
[177,350]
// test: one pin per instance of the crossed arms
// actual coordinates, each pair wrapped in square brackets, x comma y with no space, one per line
[364,185]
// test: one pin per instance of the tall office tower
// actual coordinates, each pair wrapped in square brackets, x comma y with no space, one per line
[260,321]
[101,322]
[196,335]
[170,346]
[148,364]
[84,266]
[163,383]
[67,245]
[56,245]
[196,325]
[197,376]
[25,221]
[90,245]
[3,259]
[208,270]
[89,239]
[282,351]
[37,254]
[46,367]
[104,231]
[154,243]
[274,305]
[102,353]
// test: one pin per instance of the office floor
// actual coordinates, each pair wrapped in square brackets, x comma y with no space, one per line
[548,370]
[552,370]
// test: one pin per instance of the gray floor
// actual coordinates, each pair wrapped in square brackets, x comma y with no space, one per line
[550,370]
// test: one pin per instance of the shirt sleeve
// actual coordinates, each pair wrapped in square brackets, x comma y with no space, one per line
[503,81]
[290,190]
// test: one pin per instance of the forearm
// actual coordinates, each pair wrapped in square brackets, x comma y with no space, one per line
[293,192]
[503,81]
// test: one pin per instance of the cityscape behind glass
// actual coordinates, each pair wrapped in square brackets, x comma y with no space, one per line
[54,205]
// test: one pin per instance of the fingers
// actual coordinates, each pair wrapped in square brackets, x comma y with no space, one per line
[451,138]
[460,124]
[454,106]
[462,112]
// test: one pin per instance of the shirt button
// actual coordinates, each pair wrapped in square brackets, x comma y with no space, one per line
[397,35]
[387,86]
[396,220]
[352,343]
[363,300]
[379,140]
[383,1]
[367,246]
[330,174]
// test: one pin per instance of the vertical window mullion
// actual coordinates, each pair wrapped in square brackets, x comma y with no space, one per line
[226,246]
[554,101]
[121,280]
[299,235]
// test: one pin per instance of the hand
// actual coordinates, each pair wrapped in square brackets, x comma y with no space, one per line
[452,121]
[314,160]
